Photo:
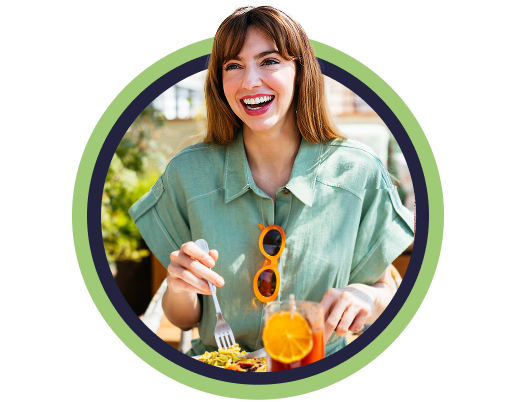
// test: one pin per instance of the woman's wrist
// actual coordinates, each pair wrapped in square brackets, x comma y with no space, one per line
[182,309]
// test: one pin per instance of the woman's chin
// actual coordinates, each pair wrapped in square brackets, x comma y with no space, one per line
[261,126]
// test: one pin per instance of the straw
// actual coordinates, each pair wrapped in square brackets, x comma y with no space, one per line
[293,307]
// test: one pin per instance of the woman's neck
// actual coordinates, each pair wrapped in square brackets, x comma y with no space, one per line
[271,156]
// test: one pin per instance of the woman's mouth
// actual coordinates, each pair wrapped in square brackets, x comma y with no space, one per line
[258,105]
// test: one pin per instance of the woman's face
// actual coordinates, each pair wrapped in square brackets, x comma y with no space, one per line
[259,84]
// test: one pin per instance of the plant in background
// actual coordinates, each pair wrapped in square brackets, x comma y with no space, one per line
[135,167]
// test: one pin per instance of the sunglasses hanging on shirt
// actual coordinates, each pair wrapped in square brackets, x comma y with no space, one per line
[267,280]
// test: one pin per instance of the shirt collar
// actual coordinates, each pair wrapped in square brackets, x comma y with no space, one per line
[304,172]
[238,178]
[236,172]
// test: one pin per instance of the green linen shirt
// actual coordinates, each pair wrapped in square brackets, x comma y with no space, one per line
[343,219]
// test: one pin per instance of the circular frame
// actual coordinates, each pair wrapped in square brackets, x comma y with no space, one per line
[296,385]
[267,299]
[283,242]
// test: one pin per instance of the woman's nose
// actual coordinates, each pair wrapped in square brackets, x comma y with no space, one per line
[251,78]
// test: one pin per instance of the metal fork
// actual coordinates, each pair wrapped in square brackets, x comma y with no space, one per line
[223,333]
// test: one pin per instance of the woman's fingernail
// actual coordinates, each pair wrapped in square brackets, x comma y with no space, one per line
[220,282]
[210,261]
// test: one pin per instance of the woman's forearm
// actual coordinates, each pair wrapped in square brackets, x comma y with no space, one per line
[182,309]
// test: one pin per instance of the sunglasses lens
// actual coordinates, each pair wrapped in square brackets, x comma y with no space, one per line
[267,283]
[272,242]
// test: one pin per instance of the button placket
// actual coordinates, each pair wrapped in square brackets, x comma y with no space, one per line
[283,206]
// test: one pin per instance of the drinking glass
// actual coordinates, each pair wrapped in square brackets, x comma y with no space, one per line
[314,314]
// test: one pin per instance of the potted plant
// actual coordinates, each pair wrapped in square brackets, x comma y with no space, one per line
[133,170]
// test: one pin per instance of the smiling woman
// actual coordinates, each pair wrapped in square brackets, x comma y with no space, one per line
[256,52]
[272,156]
[259,84]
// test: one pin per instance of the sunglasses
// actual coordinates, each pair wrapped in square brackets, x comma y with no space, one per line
[267,280]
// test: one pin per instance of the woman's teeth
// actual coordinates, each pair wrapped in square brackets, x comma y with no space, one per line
[257,103]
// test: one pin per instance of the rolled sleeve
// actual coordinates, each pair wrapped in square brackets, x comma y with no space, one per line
[385,231]
[161,219]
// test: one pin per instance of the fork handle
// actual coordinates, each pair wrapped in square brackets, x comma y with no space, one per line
[215,300]
[202,244]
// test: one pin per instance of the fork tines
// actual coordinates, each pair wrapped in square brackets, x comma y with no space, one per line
[225,341]
[224,336]
[223,333]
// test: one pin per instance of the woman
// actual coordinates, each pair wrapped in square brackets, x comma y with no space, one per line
[272,155]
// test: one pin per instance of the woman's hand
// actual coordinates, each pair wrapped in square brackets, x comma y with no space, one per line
[187,268]
[350,308]
[346,309]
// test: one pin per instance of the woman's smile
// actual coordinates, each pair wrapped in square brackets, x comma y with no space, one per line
[259,83]
[257,105]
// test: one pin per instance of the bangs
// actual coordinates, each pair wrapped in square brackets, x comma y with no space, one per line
[235,38]
[236,32]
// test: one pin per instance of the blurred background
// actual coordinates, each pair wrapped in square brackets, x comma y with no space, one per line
[173,121]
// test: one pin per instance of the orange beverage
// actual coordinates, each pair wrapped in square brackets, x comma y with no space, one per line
[293,335]
[317,353]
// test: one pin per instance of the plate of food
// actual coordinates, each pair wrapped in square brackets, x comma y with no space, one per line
[235,359]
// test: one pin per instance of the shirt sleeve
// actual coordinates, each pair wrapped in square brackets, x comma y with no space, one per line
[161,217]
[385,231]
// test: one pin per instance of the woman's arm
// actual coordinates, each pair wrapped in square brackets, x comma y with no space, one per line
[356,305]
[188,266]
[182,309]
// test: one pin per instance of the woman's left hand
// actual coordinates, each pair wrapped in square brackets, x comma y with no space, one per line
[350,308]
[346,309]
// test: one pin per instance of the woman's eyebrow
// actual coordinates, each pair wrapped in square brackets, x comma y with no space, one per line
[265,53]
[259,55]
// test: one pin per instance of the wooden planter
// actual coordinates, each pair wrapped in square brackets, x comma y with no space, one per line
[135,282]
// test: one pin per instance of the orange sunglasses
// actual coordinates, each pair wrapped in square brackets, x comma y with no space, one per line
[267,280]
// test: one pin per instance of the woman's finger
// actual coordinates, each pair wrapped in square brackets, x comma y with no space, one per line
[194,281]
[359,321]
[200,270]
[194,251]
[179,273]
[214,254]
[336,313]
[178,285]
[329,300]
[347,320]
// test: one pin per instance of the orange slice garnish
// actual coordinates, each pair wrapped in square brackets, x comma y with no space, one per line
[287,339]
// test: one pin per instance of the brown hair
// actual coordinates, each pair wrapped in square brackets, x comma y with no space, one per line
[313,118]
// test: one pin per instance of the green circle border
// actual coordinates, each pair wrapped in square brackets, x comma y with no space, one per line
[245,391]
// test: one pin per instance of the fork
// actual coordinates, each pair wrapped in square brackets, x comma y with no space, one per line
[223,333]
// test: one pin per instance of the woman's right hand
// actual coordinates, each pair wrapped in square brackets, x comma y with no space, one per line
[189,267]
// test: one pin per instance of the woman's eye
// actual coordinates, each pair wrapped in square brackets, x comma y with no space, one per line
[270,62]
[231,67]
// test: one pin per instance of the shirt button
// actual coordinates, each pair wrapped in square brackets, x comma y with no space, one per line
[286,191]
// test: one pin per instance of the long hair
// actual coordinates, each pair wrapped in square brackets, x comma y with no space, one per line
[314,121]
